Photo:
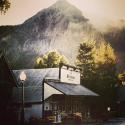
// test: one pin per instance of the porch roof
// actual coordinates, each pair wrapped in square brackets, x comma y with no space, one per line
[72,89]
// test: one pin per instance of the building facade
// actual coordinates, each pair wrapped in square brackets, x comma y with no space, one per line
[45,90]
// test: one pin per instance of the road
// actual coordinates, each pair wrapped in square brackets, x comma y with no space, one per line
[119,121]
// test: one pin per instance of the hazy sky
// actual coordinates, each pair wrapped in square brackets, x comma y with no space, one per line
[98,11]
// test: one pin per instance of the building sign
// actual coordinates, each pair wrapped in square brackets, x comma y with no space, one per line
[69,75]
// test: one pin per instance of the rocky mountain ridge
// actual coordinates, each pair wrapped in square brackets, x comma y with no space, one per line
[60,27]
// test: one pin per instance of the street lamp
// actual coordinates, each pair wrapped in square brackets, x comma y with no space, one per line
[22,79]
[43,98]
[108,109]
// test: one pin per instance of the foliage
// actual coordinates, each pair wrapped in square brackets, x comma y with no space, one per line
[104,54]
[121,77]
[98,69]
[4,6]
[50,60]
[85,59]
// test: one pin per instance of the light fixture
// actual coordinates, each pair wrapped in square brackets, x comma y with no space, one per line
[108,109]
[22,76]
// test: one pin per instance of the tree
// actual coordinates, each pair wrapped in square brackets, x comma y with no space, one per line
[98,66]
[4,6]
[50,60]
[121,77]
[85,61]
[104,53]
[106,74]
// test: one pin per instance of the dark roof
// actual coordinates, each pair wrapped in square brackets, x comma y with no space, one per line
[72,89]
[36,76]
[33,84]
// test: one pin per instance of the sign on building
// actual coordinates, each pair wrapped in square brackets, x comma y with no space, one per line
[69,74]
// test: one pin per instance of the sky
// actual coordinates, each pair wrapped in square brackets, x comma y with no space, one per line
[100,12]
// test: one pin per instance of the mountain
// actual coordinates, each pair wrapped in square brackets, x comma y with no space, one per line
[61,26]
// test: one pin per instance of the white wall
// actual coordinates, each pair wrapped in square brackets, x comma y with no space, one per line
[48,91]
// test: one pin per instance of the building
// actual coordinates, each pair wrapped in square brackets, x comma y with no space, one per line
[50,85]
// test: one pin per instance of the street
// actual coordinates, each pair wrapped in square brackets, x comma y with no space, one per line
[119,121]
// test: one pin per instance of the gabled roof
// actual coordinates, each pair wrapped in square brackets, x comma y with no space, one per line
[35,76]
[33,84]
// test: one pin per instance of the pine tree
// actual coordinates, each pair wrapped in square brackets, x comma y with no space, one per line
[98,66]
[85,61]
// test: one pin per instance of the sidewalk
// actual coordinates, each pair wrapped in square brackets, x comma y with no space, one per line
[115,121]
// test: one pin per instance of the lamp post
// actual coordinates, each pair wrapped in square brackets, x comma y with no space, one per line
[22,79]
[109,109]
[43,98]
